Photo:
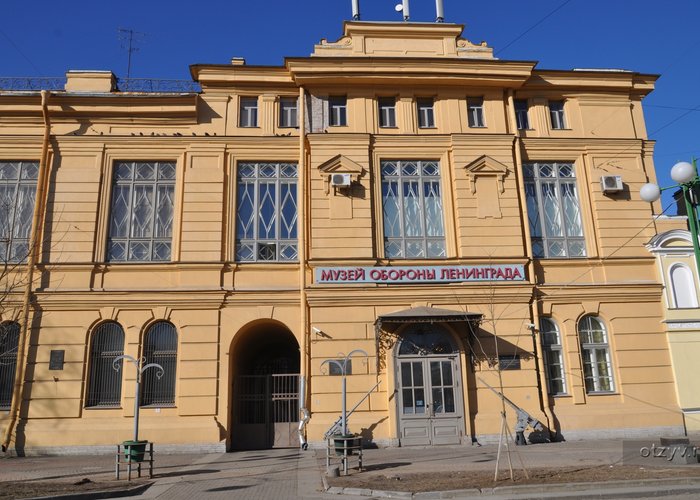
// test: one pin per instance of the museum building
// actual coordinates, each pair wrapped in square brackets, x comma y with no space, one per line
[401,209]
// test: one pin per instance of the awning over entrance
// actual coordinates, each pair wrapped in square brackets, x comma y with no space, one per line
[427,315]
[386,324]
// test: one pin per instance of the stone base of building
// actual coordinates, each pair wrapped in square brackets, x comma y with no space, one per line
[163,449]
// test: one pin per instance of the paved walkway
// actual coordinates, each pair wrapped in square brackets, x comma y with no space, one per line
[294,474]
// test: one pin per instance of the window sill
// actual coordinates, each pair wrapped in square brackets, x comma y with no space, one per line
[427,128]
[562,395]
[602,393]
[387,126]
[337,126]
[564,129]
[154,407]
[478,126]
[103,407]
[248,126]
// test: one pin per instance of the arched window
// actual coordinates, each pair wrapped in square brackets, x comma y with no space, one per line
[426,340]
[553,357]
[683,287]
[105,383]
[159,346]
[9,341]
[595,351]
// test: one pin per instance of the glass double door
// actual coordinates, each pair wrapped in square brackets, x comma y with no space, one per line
[430,401]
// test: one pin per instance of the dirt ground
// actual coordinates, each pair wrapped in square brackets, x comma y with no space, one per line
[31,489]
[442,481]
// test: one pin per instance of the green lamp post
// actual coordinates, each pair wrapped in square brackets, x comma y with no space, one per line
[686,175]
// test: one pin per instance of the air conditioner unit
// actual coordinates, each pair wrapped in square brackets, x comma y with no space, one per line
[611,183]
[341,180]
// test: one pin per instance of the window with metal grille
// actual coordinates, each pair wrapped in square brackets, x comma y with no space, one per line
[338,111]
[521,117]
[595,352]
[553,210]
[159,346]
[288,112]
[412,206]
[387,111]
[105,383]
[248,116]
[475,112]
[17,197]
[141,220]
[426,113]
[556,115]
[9,342]
[553,357]
[266,215]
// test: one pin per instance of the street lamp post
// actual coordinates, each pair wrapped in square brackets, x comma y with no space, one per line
[686,175]
[342,365]
[139,371]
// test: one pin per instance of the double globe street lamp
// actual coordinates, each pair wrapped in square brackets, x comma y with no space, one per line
[686,175]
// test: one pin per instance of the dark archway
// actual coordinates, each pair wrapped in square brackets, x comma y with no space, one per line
[265,371]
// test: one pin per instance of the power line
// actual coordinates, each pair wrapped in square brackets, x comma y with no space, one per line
[129,38]
[20,51]
[532,27]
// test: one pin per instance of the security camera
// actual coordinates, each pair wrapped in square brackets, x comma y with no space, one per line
[316,330]
[530,326]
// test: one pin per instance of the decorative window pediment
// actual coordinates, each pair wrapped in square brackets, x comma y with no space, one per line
[340,164]
[486,166]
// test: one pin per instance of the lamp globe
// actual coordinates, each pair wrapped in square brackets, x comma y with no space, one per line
[650,192]
[683,172]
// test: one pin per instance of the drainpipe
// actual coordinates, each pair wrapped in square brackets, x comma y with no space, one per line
[534,301]
[302,231]
[34,249]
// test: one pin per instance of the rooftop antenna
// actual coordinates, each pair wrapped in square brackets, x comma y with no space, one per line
[129,38]
[403,7]
[439,12]
[355,10]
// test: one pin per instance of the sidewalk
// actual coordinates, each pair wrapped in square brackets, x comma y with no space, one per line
[291,473]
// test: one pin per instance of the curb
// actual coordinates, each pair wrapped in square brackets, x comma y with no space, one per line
[608,489]
[98,494]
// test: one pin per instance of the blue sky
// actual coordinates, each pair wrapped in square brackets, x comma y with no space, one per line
[47,38]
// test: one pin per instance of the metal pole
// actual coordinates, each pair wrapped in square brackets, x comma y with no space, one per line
[692,222]
[439,12]
[355,10]
[406,13]
[345,421]
[136,403]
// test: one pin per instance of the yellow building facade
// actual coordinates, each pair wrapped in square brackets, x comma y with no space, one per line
[463,226]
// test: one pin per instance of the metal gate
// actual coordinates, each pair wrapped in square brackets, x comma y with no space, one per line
[266,412]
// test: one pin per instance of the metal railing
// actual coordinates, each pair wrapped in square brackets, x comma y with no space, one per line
[145,85]
[32,83]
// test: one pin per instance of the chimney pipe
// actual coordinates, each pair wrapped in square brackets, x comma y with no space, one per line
[406,13]
[355,10]
[439,12]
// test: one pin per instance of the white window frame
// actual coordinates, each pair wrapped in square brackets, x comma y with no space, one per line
[18,181]
[338,111]
[683,293]
[553,355]
[423,236]
[557,115]
[158,183]
[289,116]
[250,245]
[425,107]
[563,179]
[522,118]
[248,115]
[475,112]
[387,112]
[594,354]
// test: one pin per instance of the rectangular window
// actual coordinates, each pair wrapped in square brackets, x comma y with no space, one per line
[475,112]
[553,357]
[553,210]
[338,110]
[387,112]
[521,117]
[426,114]
[288,112]
[412,210]
[266,212]
[141,219]
[249,112]
[556,115]
[17,197]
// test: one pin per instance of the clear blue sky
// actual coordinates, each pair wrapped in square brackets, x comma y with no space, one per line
[47,38]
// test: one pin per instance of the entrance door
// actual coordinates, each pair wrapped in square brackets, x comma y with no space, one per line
[267,411]
[430,400]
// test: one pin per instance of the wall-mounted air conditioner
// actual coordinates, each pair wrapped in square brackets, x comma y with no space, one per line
[341,180]
[611,183]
